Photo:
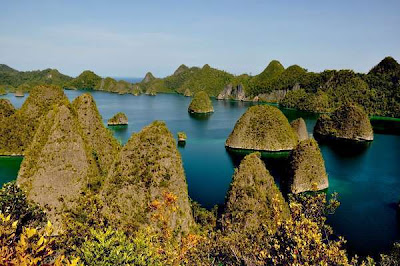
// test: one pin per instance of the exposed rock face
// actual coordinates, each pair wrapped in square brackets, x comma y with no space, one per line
[58,165]
[273,97]
[149,77]
[103,145]
[232,93]
[6,108]
[118,119]
[201,103]
[349,122]
[250,198]
[147,180]
[262,128]
[307,168]
[17,131]
[299,126]
[187,93]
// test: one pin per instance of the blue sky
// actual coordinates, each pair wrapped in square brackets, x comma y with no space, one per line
[129,38]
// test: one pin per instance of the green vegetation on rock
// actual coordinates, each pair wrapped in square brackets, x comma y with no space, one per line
[6,108]
[104,147]
[12,78]
[86,80]
[118,119]
[299,126]
[347,122]
[307,168]
[262,128]
[250,199]
[147,185]
[17,130]
[201,103]
[59,165]
[182,136]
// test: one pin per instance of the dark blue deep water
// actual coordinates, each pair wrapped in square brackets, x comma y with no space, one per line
[366,178]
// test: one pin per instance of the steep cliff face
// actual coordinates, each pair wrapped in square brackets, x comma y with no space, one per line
[307,168]
[299,126]
[231,92]
[262,128]
[6,108]
[201,103]
[58,165]
[349,122]
[147,184]
[17,130]
[251,198]
[100,140]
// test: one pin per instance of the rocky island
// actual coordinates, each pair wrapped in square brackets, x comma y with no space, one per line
[262,128]
[299,126]
[307,168]
[146,177]
[119,119]
[201,104]
[250,197]
[349,122]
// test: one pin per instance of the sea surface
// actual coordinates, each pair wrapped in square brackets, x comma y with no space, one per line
[366,178]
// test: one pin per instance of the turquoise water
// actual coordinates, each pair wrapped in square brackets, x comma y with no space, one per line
[366,178]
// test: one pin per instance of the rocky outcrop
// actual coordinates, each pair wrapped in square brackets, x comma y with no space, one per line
[231,92]
[262,128]
[251,196]
[147,185]
[19,94]
[348,122]
[149,77]
[188,93]
[17,131]
[307,168]
[104,147]
[273,97]
[118,119]
[201,103]
[299,126]
[6,108]
[58,165]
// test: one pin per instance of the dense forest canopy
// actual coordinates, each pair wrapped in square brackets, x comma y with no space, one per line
[378,91]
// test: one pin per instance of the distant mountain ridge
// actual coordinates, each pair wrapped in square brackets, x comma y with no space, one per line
[378,91]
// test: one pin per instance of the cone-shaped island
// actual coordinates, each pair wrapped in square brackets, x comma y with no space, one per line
[348,122]
[201,104]
[307,168]
[119,119]
[262,128]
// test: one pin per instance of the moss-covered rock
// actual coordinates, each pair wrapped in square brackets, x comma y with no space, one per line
[201,103]
[118,119]
[17,131]
[299,126]
[6,108]
[147,185]
[349,122]
[182,136]
[102,143]
[262,128]
[251,198]
[58,165]
[307,168]
[188,93]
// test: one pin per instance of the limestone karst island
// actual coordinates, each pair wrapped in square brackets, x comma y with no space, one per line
[199,133]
